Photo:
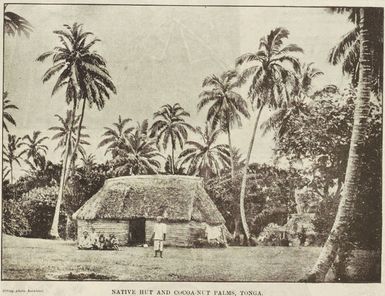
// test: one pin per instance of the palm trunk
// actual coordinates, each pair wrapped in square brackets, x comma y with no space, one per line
[54,232]
[11,171]
[231,154]
[348,198]
[244,179]
[172,160]
[68,223]
[237,229]
[74,152]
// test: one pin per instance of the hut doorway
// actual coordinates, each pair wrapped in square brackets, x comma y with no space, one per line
[137,233]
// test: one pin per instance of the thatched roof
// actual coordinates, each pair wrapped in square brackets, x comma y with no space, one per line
[178,198]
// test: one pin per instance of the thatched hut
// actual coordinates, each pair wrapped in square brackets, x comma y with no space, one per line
[128,207]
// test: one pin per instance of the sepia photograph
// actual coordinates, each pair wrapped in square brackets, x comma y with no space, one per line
[192,143]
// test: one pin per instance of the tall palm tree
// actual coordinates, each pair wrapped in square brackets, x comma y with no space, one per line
[86,70]
[7,117]
[65,135]
[115,135]
[271,71]
[348,197]
[138,153]
[15,24]
[84,75]
[347,51]
[205,158]
[35,148]
[170,127]
[226,104]
[296,105]
[12,153]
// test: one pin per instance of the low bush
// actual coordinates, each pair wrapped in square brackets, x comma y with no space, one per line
[39,207]
[14,219]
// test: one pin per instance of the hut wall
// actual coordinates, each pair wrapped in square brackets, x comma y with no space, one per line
[180,234]
[197,230]
[117,227]
[177,233]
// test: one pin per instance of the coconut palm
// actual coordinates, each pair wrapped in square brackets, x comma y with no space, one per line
[296,105]
[7,117]
[6,173]
[65,135]
[83,71]
[115,135]
[271,72]
[205,158]
[35,148]
[170,127]
[226,104]
[88,161]
[138,153]
[362,17]
[12,153]
[84,76]
[15,24]
[347,51]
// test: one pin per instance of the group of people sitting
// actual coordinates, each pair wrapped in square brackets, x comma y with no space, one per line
[93,242]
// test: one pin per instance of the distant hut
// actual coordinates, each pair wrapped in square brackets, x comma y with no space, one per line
[128,207]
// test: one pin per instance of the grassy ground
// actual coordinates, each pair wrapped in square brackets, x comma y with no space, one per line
[38,259]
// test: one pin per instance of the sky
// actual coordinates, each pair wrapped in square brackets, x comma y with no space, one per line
[159,55]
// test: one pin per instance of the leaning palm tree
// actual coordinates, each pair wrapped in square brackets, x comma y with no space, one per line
[138,153]
[84,75]
[15,24]
[362,18]
[35,147]
[12,153]
[114,136]
[7,117]
[226,104]
[170,127]
[347,51]
[271,71]
[205,158]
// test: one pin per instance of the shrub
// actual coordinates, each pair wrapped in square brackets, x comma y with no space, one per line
[14,219]
[39,206]
[271,235]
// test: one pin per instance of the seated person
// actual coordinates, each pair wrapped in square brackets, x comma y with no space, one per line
[94,239]
[85,242]
[112,243]
[102,242]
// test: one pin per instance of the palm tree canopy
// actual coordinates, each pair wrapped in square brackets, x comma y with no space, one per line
[15,24]
[226,104]
[7,117]
[205,158]
[170,126]
[271,69]
[82,72]
[296,105]
[348,49]
[63,131]
[11,152]
[137,154]
[114,136]
[34,145]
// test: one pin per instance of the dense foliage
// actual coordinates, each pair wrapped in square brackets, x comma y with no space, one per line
[14,219]
[320,139]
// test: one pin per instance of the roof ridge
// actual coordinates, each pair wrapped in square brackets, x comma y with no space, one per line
[154,177]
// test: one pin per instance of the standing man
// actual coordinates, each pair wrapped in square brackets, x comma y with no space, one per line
[159,236]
